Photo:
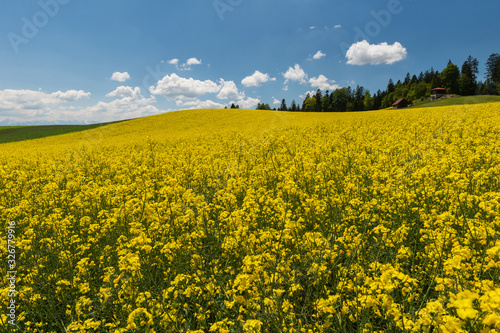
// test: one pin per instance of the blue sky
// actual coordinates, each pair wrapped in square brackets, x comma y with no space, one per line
[69,61]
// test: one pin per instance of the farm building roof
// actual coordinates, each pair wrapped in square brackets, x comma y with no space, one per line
[399,101]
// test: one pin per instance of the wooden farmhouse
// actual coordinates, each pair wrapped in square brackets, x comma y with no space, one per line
[437,93]
[400,103]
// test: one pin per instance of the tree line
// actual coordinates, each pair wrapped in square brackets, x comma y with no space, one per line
[460,81]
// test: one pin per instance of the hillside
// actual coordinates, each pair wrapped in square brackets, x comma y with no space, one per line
[176,126]
[179,124]
[258,221]
[461,100]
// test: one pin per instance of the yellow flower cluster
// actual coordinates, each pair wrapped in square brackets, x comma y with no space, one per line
[258,221]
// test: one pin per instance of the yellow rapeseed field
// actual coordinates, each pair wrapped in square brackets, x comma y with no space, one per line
[259,221]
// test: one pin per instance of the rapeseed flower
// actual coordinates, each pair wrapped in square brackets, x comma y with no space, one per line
[278,221]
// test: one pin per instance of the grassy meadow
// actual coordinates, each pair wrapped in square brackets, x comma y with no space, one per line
[259,221]
[460,100]
[21,133]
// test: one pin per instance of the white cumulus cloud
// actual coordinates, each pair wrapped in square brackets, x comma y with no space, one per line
[11,99]
[120,77]
[248,103]
[198,104]
[319,55]
[38,107]
[193,61]
[323,83]
[256,79]
[185,66]
[364,53]
[229,90]
[295,74]
[174,86]
[124,91]
[71,95]
[122,108]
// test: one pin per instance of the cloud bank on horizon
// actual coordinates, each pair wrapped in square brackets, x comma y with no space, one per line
[16,106]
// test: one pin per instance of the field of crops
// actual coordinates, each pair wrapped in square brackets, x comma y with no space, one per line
[258,221]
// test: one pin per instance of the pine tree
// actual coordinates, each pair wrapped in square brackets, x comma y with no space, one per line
[304,103]
[325,102]
[421,77]
[493,68]
[436,80]
[450,77]
[468,79]
[359,97]
[318,96]
[390,86]
[407,78]
[283,106]
[493,74]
